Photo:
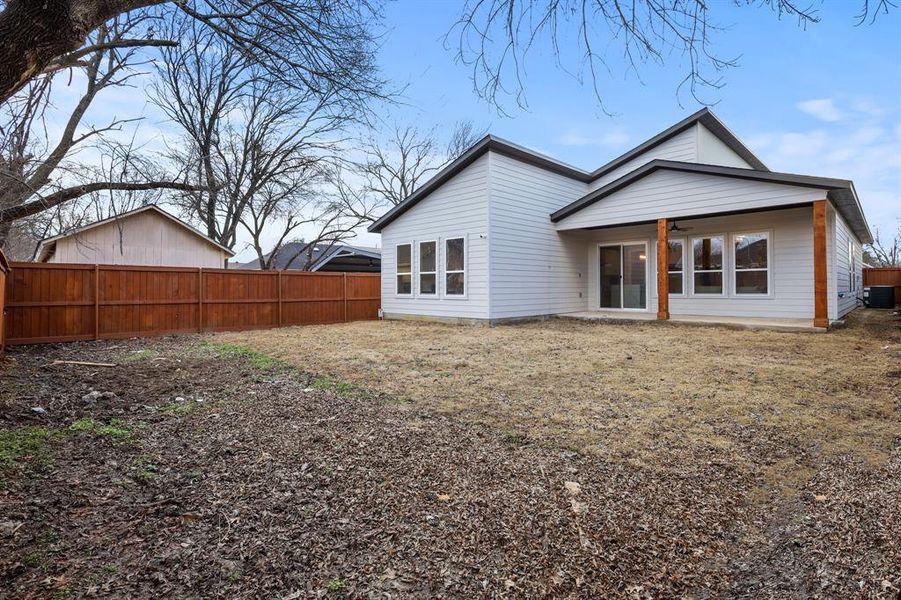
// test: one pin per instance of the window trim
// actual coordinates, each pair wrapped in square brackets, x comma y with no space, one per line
[852,267]
[398,273]
[420,272]
[723,269]
[684,271]
[769,261]
[444,271]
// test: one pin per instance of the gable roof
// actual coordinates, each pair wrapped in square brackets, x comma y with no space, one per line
[840,191]
[321,255]
[494,144]
[706,118]
[47,246]
[342,250]
[501,146]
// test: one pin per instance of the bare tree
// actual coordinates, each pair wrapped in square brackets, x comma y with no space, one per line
[495,37]
[885,253]
[300,41]
[39,173]
[395,167]
[261,150]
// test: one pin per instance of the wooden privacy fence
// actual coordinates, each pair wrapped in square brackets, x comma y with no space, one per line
[884,276]
[56,302]
[4,271]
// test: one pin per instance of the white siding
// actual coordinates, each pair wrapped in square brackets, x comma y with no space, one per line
[682,147]
[534,269]
[459,207]
[845,298]
[677,194]
[712,151]
[145,238]
[791,271]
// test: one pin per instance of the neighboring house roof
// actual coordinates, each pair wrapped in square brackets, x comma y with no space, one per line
[840,191]
[47,246]
[321,255]
[501,146]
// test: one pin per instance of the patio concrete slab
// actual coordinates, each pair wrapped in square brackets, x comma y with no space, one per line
[734,322]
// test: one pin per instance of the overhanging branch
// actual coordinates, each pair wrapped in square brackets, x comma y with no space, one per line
[55,199]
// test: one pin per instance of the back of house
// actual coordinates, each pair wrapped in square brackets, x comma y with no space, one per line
[688,224]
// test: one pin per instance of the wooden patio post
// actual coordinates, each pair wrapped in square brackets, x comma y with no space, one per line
[820,285]
[662,270]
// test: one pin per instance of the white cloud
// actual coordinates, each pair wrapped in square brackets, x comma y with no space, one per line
[823,109]
[864,147]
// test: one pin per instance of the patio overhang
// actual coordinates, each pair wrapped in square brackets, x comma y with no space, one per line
[671,190]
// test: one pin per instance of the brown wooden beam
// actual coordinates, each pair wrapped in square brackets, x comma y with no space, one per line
[820,285]
[662,270]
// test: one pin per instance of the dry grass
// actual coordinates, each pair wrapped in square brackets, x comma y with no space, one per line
[657,395]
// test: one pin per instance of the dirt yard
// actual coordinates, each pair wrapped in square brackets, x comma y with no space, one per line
[403,460]
[645,394]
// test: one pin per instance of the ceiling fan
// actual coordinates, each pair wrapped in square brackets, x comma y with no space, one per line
[674,227]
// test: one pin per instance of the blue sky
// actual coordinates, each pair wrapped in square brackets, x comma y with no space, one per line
[822,101]
[825,101]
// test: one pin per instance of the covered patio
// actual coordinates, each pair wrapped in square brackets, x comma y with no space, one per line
[702,244]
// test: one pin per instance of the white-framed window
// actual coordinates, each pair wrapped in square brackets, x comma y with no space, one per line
[404,262]
[852,267]
[752,263]
[676,267]
[707,265]
[428,268]
[455,266]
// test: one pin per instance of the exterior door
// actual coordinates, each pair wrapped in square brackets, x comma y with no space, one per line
[624,276]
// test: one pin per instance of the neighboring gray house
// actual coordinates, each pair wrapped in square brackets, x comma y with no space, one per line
[324,257]
[504,233]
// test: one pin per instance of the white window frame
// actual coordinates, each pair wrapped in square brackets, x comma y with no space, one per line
[445,272]
[420,272]
[852,267]
[769,261]
[398,273]
[684,291]
[723,269]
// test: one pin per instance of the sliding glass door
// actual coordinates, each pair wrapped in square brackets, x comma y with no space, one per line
[624,276]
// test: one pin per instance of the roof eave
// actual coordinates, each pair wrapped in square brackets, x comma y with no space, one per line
[825,183]
[486,144]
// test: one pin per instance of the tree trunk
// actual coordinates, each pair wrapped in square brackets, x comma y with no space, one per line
[34,33]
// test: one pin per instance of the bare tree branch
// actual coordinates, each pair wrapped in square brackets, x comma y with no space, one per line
[494,39]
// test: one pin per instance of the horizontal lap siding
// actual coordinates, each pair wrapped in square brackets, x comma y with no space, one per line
[791,274]
[673,194]
[682,147]
[534,270]
[459,207]
[57,302]
[845,299]
[712,151]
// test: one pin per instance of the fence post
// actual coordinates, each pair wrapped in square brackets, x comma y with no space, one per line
[199,299]
[96,302]
[345,296]
[279,281]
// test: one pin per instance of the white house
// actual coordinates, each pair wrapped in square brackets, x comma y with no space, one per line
[688,225]
[145,236]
